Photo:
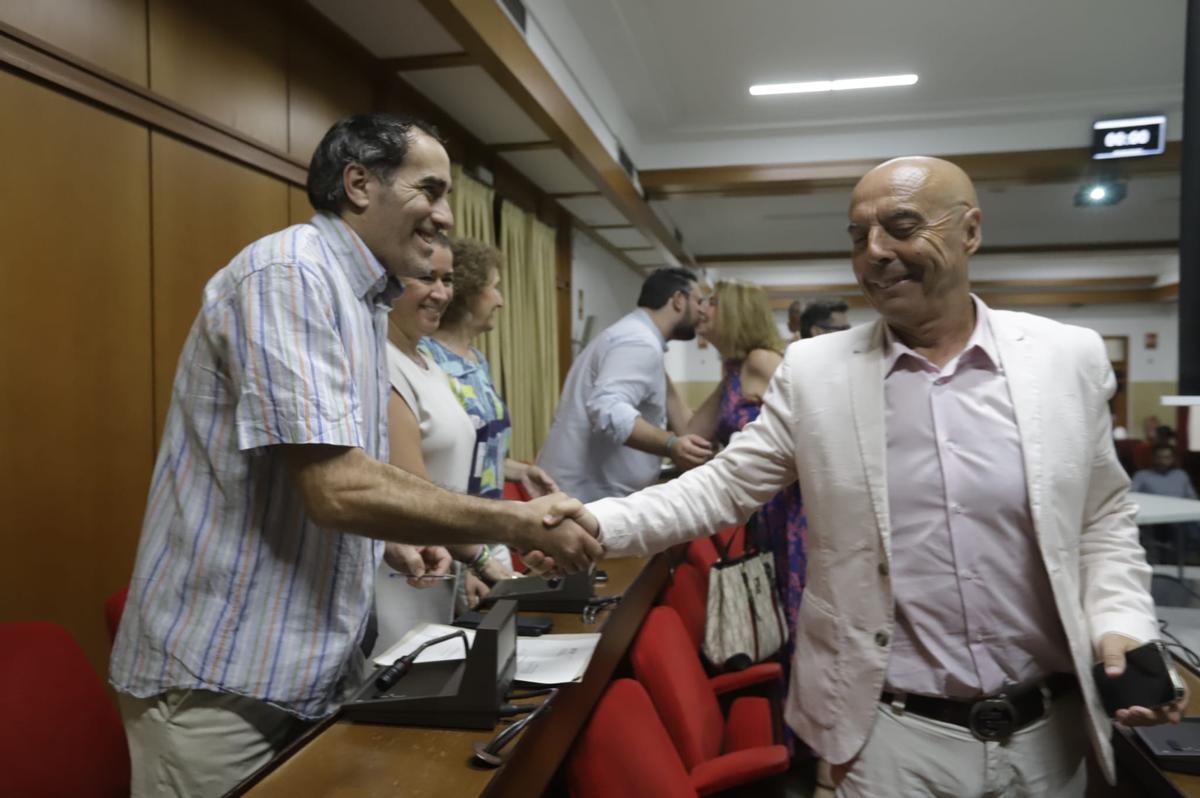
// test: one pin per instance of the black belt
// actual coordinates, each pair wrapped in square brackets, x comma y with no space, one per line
[992,718]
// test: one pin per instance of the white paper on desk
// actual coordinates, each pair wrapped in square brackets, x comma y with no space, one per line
[549,659]
[442,652]
[554,659]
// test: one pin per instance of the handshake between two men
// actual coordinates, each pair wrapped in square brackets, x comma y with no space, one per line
[555,535]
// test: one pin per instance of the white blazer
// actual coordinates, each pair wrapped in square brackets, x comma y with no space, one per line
[822,422]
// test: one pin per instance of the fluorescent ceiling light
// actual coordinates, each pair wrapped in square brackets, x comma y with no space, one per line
[833,85]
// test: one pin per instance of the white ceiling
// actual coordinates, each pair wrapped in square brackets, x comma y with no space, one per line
[682,67]
[1011,75]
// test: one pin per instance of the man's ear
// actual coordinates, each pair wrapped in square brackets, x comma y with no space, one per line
[973,230]
[356,180]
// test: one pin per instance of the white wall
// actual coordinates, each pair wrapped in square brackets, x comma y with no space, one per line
[601,286]
[1145,365]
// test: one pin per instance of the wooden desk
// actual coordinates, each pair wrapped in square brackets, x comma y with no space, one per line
[357,759]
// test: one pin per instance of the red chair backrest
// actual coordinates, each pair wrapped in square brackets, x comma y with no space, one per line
[701,553]
[668,666]
[114,608]
[687,594]
[624,751]
[61,733]
[515,491]
[1143,455]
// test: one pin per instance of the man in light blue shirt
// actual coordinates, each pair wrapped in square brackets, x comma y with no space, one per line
[619,415]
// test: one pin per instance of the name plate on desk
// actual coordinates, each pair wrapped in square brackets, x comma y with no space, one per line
[451,694]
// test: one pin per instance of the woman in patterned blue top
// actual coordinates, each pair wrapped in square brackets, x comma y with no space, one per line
[472,312]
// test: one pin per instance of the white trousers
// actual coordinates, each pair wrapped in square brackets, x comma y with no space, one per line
[909,756]
[197,743]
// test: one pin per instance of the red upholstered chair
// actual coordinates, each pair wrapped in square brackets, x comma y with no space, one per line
[1143,455]
[719,752]
[687,594]
[702,554]
[114,608]
[515,491]
[61,734]
[624,751]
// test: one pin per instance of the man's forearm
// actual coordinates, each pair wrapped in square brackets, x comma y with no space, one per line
[353,492]
[679,415]
[648,438]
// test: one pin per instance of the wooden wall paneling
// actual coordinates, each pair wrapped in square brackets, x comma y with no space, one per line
[75,407]
[325,83]
[110,34]
[205,210]
[299,209]
[224,59]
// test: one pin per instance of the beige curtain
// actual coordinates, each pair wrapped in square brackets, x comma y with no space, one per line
[472,204]
[528,373]
[544,304]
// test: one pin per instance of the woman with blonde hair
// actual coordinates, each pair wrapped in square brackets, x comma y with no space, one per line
[738,322]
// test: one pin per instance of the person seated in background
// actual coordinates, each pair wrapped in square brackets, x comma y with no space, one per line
[822,316]
[1166,479]
[429,435]
[619,414]
[1165,436]
[472,312]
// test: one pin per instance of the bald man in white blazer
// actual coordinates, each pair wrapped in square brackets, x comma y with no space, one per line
[970,536]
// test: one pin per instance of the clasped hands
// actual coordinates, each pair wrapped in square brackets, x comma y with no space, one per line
[556,535]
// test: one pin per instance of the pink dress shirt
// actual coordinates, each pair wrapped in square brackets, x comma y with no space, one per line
[974,611]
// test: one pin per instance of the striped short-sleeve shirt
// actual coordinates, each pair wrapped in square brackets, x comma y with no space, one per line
[235,589]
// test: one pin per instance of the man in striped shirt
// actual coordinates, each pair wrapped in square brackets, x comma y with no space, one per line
[271,499]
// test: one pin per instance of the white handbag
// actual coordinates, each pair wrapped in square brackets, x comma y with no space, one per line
[744,623]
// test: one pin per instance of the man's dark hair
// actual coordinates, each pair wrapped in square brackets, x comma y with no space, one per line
[378,142]
[1158,447]
[662,284]
[819,311]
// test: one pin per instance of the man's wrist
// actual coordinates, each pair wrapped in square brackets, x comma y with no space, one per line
[515,523]
[671,440]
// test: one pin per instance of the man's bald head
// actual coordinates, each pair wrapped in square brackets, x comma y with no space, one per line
[941,181]
[914,223]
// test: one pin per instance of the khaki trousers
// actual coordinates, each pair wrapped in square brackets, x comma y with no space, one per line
[197,743]
[911,756]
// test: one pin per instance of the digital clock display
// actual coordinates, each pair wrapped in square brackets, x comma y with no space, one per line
[1131,137]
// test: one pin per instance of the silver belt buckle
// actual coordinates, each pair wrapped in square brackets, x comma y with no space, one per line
[992,719]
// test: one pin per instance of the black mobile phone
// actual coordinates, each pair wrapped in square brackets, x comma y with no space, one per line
[1148,681]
